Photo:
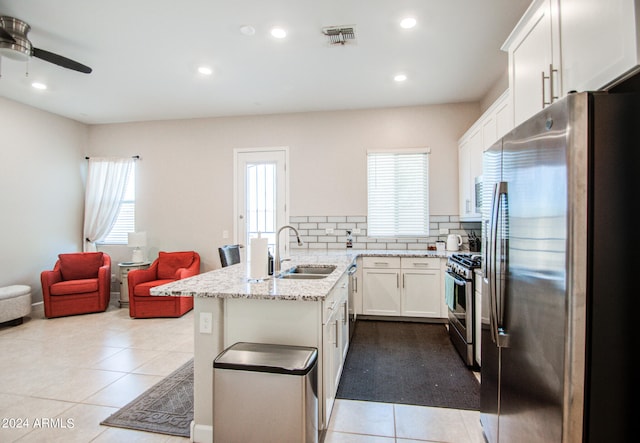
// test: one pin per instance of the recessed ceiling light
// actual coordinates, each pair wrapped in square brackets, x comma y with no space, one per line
[247,30]
[38,85]
[399,78]
[205,70]
[408,23]
[278,33]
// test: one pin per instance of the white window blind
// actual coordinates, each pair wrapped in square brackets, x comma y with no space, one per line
[398,193]
[126,221]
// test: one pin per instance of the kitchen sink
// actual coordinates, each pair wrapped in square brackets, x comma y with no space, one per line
[320,269]
[302,276]
[308,272]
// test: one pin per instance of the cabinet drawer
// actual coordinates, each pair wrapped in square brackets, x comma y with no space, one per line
[420,263]
[334,300]
[381,262]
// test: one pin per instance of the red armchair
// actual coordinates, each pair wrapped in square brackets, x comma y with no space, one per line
[168,267]
[78,284]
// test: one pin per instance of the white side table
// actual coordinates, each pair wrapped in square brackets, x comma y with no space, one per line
[125,267]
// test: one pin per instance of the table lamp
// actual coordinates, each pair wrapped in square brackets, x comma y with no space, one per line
[137,240]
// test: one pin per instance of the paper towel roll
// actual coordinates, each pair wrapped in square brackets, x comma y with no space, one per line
[259,265]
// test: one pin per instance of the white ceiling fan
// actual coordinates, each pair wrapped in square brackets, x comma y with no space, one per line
[15,45]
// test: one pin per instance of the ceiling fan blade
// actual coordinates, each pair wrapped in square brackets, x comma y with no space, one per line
[5,35]
[60,60]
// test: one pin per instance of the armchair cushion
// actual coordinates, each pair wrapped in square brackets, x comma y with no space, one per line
[143,289]
[69,287]
[81,265]
[169,264]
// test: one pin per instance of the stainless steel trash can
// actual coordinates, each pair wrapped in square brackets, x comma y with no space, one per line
[265,393]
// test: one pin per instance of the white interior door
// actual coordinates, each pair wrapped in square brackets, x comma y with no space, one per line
[261,195]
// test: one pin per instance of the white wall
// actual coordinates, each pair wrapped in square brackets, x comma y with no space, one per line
[42,169]
[185,174]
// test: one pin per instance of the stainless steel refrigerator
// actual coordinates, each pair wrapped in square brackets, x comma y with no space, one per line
[558,347]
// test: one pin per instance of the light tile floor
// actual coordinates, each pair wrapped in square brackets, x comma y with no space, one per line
[59,378]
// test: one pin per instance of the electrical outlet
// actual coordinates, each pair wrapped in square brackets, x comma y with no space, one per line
[206,318]
[225,234]
[355,231]
[329,230]
[444,231]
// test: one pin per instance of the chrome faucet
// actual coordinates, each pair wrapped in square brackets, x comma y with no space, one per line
[277,261]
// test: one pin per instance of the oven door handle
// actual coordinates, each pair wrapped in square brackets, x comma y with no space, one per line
[457,279]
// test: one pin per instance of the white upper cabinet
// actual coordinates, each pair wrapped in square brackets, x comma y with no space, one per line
[493,124]
[469,171]
[570,45]
[600,42]
[503,117]
[534,60]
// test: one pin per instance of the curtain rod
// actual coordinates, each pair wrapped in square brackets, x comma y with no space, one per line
[136,157]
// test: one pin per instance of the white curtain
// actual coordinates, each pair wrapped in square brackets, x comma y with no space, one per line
[106,185]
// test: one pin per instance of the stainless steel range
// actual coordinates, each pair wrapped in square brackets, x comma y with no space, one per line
[459,294]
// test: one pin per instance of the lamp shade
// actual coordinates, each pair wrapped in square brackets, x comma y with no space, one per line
[137,239]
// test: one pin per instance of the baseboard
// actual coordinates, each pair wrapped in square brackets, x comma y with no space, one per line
[201,433]
[405,319]
[37,310]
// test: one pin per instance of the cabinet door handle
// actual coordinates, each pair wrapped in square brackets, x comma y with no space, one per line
[545,103]
[336,324]
[397,280]
[381,263]
[552,95]
[403,280]
[346,313]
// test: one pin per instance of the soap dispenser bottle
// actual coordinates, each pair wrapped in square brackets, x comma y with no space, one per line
[349,240]
[270,261]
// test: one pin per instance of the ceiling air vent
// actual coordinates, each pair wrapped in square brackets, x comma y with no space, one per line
[340,34]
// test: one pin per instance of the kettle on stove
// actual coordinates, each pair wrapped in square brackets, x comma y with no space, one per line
[454,241]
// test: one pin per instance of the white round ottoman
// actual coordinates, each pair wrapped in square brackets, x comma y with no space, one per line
[15,303]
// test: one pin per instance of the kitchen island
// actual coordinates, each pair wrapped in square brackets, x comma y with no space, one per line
[229,308]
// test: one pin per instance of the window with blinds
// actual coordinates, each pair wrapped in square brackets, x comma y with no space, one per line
[126,221]
[398,193]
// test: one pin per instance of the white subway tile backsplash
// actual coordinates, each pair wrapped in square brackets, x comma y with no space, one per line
[313,232]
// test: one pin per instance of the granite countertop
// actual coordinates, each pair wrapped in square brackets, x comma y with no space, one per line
[233,281]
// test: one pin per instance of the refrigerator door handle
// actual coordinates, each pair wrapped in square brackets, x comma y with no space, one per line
[496,292]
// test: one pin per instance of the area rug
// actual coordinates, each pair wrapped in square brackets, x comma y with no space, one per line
[408,363]
[165,408]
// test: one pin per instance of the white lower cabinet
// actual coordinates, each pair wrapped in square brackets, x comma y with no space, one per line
[408,287]
[335,343]
[421,287]
[382,292]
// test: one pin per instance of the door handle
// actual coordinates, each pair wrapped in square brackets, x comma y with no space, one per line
[497,292]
